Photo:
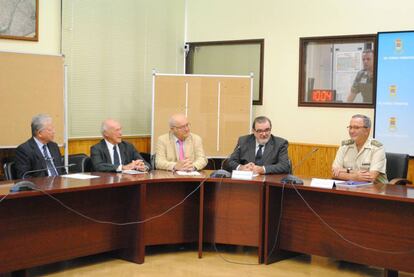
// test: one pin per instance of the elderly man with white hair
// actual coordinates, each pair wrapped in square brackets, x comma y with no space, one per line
[39,156]
[180,149]
[112,154]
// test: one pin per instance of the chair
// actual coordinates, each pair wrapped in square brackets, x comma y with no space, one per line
[397,168]
[153,162]
[82,163]
[9,170]
[149,159]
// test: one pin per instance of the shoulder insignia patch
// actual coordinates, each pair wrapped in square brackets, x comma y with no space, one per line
[376,143]
[347,142]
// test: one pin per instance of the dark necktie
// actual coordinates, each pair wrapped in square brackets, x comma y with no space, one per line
[259,155]
[116,157]
[49,164]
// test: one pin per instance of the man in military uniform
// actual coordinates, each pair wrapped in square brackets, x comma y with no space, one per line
[360,158]
[363,80]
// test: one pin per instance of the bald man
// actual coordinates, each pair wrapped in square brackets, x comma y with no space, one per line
[112,154]
[180,149]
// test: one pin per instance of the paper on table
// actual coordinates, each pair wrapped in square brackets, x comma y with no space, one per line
[188,173]
[353,184]
[80,176]
[133,172]
[323,183]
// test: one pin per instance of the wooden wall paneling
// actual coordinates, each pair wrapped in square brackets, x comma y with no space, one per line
[307,164]
[141,143]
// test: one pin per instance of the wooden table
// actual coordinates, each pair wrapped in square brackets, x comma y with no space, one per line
[373,225]
[36,230]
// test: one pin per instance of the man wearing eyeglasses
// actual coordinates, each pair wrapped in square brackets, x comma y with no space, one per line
[260,152]
[39,153]
[180,149]
[360,158]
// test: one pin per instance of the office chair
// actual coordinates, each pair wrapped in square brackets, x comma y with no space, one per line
[146,156]
[153,161]
[9,170]
[82,163]
[397,168]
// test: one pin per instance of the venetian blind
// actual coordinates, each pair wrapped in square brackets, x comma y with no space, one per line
[111,48]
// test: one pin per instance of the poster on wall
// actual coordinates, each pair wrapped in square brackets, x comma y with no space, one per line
[394,111]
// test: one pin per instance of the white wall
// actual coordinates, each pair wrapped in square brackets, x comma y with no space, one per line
[281,24]
[49,32]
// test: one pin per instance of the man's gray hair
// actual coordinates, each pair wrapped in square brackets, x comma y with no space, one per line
[261,119]
[368,51]
[366,119]
[104,126]
[171,122]
[38,123]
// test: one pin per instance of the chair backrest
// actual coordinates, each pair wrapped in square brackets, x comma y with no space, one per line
[87,165]
[80,161]
[149,159]
[9,170]
[397,165]
[153,161]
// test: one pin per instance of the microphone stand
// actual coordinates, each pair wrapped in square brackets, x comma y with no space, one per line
[26,185]
[222,173]
[292,179]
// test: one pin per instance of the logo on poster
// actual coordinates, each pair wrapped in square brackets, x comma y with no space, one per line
[393,90]
[398,43]
[393,124]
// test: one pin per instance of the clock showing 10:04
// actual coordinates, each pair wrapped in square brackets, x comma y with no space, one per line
[323,95]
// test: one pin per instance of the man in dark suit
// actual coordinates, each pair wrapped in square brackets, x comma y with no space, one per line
[112,154]
[260,152]
[39,153]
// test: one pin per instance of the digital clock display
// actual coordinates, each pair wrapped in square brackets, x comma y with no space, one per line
[323,95]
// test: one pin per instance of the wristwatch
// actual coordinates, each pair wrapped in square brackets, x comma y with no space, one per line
[348,170]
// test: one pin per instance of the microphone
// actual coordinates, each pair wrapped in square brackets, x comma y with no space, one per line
[222,173]
[292,179]
[45,169]
[25,185]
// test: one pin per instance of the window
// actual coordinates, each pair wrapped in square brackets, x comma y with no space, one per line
[237,57]
[337,71]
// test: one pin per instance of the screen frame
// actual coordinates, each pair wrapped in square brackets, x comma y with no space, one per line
[376,76]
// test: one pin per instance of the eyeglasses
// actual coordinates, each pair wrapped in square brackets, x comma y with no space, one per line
[355,127]
[263,131]
[183,127]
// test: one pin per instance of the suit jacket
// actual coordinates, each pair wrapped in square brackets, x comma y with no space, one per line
[275,156]
[166,154]
[29,157]
[101,159]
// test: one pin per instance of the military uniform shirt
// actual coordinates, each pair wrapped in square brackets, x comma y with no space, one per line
[370,158]
[363,84]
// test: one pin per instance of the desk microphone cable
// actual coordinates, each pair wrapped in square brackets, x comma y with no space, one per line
[279,221]
[343,237]
[5,196]
[118,223]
